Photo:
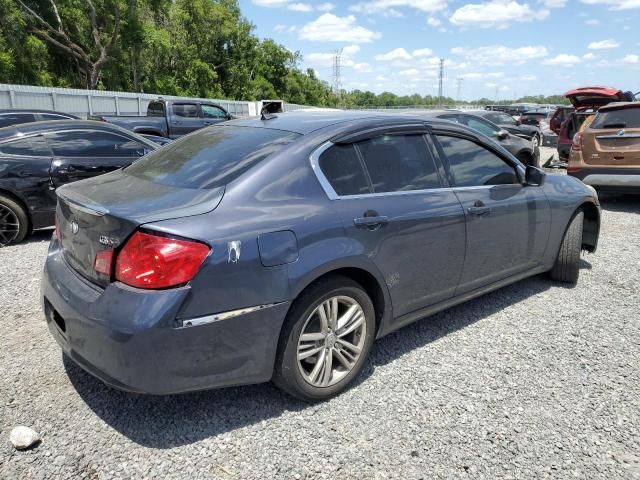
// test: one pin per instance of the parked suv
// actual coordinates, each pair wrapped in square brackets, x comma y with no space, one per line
[280,248]
[606,154]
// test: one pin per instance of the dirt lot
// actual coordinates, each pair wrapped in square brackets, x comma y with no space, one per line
[533,381]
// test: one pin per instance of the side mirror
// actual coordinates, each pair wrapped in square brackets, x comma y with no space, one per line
[502,135]
[534,176]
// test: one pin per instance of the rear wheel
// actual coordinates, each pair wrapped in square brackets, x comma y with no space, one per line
[14,222]
[567,266]
[326,339]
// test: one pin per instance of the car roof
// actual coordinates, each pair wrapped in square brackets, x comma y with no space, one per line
[619,106]
[33,110]
[307,121]
[57,125]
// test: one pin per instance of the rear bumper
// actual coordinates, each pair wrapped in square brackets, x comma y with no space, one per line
[129,338]
[614,178]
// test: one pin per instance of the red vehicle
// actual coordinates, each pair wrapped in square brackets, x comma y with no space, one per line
[586,101]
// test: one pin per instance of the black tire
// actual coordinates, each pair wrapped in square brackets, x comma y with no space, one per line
[287,373]
[12,213]
[567,268]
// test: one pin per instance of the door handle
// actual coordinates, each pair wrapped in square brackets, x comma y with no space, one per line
[479,209]
[371,222]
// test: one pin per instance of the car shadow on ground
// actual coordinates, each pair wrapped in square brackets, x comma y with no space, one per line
[38,236]
[169,421]
[620,203]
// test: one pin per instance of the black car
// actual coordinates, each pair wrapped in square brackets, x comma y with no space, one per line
[280,248]
[523,149]
[507,122]
[38,157]
[16,116]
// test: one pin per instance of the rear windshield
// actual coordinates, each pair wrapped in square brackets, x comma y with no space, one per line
[211,157]
[623,118]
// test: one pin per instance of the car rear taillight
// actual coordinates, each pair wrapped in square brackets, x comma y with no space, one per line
[104,262]
[153,261]
[577,142]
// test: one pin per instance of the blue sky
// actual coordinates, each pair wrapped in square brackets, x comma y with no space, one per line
[511,47]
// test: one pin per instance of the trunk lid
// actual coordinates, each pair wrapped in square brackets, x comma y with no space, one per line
[102,212]
[606,147]
[594,97]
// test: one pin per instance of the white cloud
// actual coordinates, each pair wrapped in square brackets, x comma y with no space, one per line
[563,59]
[280,28]
[603,44]
[421,52]
[481,75]
[528,78]
[434,22]
[589,56]
[300,7]
[331,28]
[631,59]
[497,12]
[396,54]
[411,72]
[389,7]
[294,6]
[615,4]
[400,54]
[592,21]
[362,67]
[499,54]
[325,59]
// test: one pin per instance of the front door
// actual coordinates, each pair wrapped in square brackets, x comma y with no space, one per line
[185,118]
[507,222]
[80,154]
[390,196]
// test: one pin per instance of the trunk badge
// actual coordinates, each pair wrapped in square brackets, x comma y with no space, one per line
[74,227]
[109,241]
[621,133]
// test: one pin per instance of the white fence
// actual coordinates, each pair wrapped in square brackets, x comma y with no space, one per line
[100,102]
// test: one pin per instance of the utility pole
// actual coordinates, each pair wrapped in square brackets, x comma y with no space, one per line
[459,81]
[441,76]
[337,74]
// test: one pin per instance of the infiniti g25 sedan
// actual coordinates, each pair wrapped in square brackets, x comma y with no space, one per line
[280,248]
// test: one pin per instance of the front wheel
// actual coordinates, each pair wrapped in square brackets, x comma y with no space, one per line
[326,339]
[567,266]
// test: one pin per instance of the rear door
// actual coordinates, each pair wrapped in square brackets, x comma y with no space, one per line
[389,191]
[613,138]
[507,222]
[80,154]
[185,118]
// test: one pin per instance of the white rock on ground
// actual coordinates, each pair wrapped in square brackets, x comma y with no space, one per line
[23,437]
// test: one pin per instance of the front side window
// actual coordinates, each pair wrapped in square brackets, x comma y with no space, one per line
[472,165]
[342,168]
[83,143]
[211,157]
[398,163]
[480,125]
[209,111]
[188,110]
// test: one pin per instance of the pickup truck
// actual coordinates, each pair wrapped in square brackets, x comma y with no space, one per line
[170,118]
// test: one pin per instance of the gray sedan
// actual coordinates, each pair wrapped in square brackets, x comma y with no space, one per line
[280,248]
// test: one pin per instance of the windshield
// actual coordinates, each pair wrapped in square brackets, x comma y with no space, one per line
[623,118]
[211,157]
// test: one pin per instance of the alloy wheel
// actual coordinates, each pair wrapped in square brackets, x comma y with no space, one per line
[9,225]
[331,341]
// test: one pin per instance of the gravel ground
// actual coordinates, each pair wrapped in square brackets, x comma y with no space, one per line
[533,381]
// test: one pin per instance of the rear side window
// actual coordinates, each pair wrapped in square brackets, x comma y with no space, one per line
[83,143]
[398,163]
[623,118]
[472,165]
[212,157]
[480,125]
[8,119]
[189,110]
[32,146]
[155,109]
[341,166]
[52,116]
